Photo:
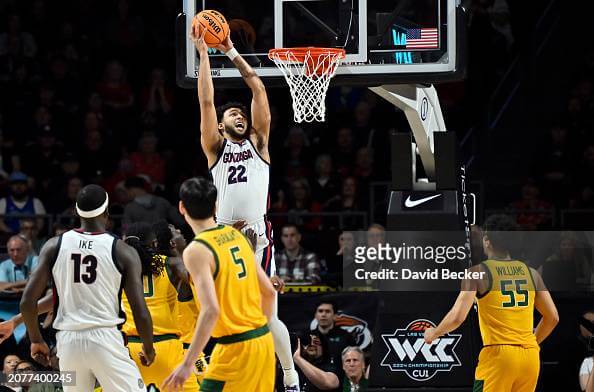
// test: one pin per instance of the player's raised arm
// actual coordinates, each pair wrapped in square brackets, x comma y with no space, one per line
[546,307]
[210,138]
[260,111]
[132,275]
[33,291]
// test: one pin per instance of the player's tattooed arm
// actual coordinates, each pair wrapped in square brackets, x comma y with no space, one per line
[33,291]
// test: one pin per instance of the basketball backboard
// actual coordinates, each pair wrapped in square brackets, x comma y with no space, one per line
[386,41]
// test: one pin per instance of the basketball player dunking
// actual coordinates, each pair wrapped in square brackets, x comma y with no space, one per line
[89,268]
[236,147]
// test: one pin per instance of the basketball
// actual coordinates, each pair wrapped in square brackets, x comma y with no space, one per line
[217,28]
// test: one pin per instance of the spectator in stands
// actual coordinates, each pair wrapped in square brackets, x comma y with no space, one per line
[30,232]
[555,164]
[334,337]
[296,264]
[353,365]
[532,212]
[157,97]
[97,159]
[145,207]
[585,375]
[296,154]
[568,266]
[376,234]
[342,259]
[19,202]
[347,201]
[117,94]
[318,371]
[300,202]
[70,165]
[10,363]
[584,197]
[13,30]
[344,152]
[325,186]
[68,203]
[15,271]
[47,151]
[147,160]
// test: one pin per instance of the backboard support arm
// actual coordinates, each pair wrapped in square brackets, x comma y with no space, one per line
[420,104]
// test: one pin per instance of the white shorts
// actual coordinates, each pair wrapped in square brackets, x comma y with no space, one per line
[264,246]
[98,354]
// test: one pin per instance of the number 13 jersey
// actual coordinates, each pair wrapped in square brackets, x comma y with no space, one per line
[87,282]
[241,177]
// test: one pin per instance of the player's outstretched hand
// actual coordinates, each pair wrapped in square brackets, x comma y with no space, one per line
[226,45]
[198,41]
[147,357]
[430,335]
[40,352]
[278,284]
[6,330]
[175,381]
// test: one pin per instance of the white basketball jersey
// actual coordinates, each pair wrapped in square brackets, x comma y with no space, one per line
[241,177]
[87,282]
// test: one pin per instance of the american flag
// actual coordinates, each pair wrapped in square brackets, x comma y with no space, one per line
[422,39]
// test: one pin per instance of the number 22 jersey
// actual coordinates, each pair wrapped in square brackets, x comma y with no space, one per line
[241,177]
[87,282]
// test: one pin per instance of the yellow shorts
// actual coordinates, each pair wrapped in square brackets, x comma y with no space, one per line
[170,354]
[247,364]
[201,364]
[507,368]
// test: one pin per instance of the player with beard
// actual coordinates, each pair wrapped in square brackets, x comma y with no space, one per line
[236,147]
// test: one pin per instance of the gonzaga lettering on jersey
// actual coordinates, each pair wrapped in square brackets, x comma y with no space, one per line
[87,282]
[241,177]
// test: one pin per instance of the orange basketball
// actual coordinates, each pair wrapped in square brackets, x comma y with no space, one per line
[217,28]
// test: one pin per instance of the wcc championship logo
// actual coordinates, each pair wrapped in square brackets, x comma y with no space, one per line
[408,352]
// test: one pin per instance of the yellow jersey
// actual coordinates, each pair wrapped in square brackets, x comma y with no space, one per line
[236,281]
[506,310]
[161,300]
[187,317]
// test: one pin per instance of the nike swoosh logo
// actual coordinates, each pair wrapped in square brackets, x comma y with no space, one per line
[413,203]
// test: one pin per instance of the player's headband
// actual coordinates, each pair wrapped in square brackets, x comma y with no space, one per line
[93,213]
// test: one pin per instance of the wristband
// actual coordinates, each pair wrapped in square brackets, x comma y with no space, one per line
[232,53]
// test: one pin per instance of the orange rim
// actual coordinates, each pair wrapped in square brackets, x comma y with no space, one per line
[299,54]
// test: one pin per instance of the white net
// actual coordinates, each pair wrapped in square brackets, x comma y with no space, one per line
[308,73]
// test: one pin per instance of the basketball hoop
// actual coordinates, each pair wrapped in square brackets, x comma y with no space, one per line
[308,72]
